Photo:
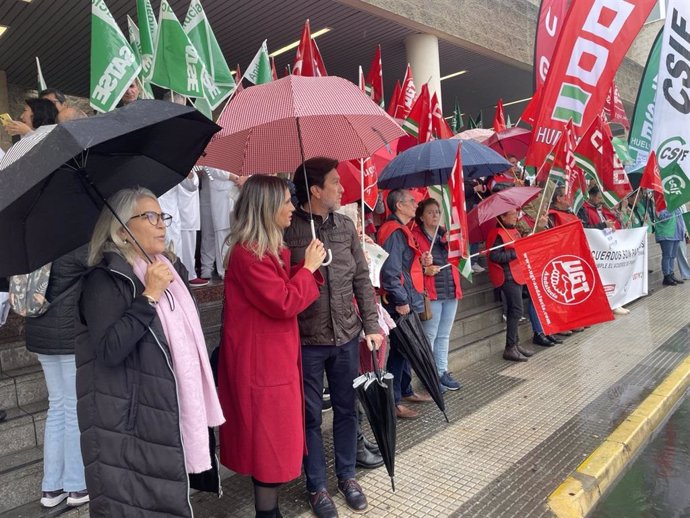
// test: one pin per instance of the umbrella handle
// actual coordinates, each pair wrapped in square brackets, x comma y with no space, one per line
[328,251]
[375,364]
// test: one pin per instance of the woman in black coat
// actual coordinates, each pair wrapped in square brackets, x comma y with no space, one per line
[132,407]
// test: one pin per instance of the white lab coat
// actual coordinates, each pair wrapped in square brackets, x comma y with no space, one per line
[190,221]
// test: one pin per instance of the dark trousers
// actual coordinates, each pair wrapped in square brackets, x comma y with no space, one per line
[399,367]
[341,364]
[512,295]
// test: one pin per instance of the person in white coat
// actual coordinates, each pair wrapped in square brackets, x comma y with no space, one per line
[190,224]
[218,192]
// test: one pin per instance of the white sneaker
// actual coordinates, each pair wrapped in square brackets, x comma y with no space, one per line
[620,311]
[477,268]
[77,498]
[52,498]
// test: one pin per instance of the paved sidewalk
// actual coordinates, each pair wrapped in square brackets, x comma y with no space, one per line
[516,430]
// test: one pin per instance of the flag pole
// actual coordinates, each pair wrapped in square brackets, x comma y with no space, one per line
[433,240]
[632,208]
[361,177]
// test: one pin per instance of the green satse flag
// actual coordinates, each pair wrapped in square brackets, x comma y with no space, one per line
[135,43]
[176,62]
[113,64]
[148,32]
[217,80]
[259,70]
[456,122]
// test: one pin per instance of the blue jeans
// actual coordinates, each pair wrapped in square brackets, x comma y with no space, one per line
[341,364]
[437,330]
[533,318]
[63,467]
[669,249]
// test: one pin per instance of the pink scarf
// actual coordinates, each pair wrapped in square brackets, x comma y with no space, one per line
[197,396]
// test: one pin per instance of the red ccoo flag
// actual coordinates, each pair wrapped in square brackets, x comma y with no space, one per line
[651,179]
[408,94]
[393,103]
[419,122]
[308,61]
[374,81]
[499,117]
[439,124]
[614,109]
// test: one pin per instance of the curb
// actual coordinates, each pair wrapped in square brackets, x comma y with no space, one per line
[581,491]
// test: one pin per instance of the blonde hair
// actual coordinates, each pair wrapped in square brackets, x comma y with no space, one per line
[106,234]
[254,224]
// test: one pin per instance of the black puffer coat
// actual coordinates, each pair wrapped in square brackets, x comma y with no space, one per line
[127,402]
[58,330]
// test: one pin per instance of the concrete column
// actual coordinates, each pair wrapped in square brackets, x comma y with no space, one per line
[422,55]
[5,140]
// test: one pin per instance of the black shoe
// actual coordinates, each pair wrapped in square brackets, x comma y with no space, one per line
[668,281]
[367,459]
[371,446]
[3,415]
[541,339]
[525,352]
[554,339]
[676,279]
[513,354]
[322,504]
[354,496]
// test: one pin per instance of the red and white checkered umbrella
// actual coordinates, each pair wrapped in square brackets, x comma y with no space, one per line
[274,127]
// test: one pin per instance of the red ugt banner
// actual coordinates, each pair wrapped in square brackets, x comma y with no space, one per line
[551,16]
[562,279]
[594,38]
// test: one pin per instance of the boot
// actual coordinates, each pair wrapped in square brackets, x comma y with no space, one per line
[676,279]
[273,513]
[371,446]
[513,354]
[525,351]
[365,458]
[668,281]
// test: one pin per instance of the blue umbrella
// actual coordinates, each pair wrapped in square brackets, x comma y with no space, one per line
[431,164]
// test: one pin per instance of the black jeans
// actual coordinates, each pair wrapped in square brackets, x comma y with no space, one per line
[512,295]
[341,364]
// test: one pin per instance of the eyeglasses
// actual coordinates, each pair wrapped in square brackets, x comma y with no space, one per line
[154,217]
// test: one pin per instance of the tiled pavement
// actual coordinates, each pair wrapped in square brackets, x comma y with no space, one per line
[516,430]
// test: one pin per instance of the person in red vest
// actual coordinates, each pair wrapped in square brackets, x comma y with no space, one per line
[593,213]
[402,281]
[508,178]
[560,212]
[505,273]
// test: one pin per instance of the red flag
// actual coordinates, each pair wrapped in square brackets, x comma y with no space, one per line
[458,232]
[419,122]
[594,40]
[531,111]
[551,16]
[614,176]
[360,79]
[651,179]
[238,80]
[614,109]
[499,117]
[393,103]
[439,124]
[375,78]
[407,96]
[560,159]
[562,278]
[308,61]
[274,73]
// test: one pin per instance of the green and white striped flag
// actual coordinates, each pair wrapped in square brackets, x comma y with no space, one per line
[584,163]
[113,64]
[148,32]
[135,43]
[176,62]
[259,70]
[216,78]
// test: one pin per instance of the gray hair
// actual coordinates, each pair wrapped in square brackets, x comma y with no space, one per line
[106,235]
[394,197]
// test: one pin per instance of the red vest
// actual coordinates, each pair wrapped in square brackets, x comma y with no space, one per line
[594,218]
[430,280]
[561,217]
[416,272]
[496,274]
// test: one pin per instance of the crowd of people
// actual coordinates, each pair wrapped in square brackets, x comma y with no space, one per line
[132,394]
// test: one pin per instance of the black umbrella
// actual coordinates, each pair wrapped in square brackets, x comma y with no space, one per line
[375,391]
[413,344]
[54,184]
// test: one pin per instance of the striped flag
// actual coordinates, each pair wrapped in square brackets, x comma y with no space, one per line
[419,122]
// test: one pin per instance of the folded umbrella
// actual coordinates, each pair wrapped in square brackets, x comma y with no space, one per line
[431,163]
[375,392]
[54,184]
[413,344]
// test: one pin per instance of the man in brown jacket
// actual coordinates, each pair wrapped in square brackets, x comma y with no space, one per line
[330,331]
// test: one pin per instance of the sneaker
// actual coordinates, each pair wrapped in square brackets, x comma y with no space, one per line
[326,404]
[77,498]
[198,282]
[620,311]
[477,268]
[322,504]
[52,498]
[353,494]
[448,382]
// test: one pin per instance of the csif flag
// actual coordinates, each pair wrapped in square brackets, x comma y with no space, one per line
[113,64]
[651,179]
[562,278]
[374,80]
[594,39]
[551,16]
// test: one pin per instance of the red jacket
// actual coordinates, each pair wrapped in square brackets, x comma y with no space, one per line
[559,217]
[430,280]
[260,365]
[496,273]
[593,220]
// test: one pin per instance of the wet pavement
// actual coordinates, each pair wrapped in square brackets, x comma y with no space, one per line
[658,482]
[516,430]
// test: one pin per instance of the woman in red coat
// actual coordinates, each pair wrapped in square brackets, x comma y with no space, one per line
[259,376]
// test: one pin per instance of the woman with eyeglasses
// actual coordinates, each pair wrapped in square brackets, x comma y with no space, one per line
[147,399]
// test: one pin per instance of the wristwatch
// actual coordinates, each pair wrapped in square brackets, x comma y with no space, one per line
[152,302]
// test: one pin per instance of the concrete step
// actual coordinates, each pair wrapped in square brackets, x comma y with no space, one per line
[18,432]
[22,387]
[14,355]
[20,478]
[13,329]
[34,510]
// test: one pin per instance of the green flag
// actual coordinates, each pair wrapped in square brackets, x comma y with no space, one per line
[676,185]
[113,64]
[148,31]
[259,70]
[456,122]
[471,124]
[135,43]
[478,121]
[176,62]
[217,79]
